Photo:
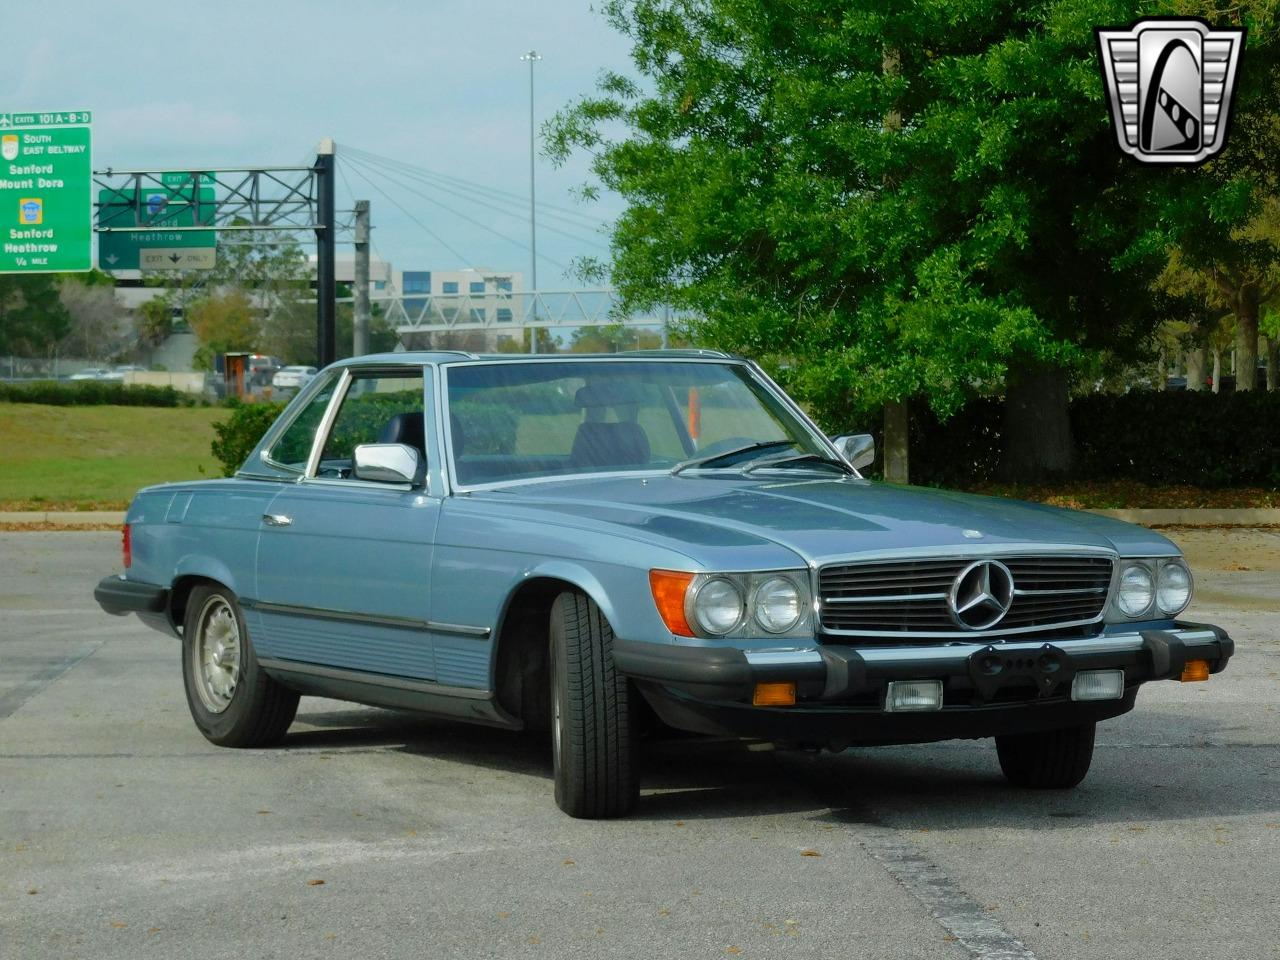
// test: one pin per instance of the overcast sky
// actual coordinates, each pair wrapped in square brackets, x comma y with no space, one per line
[437,84]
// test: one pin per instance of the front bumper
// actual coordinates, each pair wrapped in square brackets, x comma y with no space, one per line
[988,689]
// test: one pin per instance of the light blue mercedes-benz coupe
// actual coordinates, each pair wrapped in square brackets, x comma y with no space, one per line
[601,546]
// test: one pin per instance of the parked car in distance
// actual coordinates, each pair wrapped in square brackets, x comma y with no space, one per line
[91,373]
[605,546]
[293,377]
[262,369]
[117,373]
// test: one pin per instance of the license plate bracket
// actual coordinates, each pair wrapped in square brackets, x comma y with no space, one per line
[992,668]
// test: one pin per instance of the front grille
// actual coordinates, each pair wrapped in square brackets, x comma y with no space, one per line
[906,597]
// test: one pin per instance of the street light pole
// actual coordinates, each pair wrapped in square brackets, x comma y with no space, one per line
[533,57]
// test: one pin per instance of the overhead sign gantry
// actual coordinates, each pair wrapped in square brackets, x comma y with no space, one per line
[170,206]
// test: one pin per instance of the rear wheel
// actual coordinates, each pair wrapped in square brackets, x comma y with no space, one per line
[1051,760]
[593,716]
[233,701]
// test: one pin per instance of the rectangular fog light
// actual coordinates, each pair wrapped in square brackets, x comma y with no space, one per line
[904,696]
[1098,685]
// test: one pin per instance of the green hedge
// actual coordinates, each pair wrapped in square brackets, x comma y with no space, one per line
[1202,439]
[1197,439]
[236,436]
[94,393]
[1173,437]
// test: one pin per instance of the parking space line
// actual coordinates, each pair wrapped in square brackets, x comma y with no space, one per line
[966,922]
[971,925]
[11,700]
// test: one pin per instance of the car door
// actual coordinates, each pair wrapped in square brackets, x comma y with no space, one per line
[343,564]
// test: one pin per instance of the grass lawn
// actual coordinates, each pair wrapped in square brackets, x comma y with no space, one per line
[96,458]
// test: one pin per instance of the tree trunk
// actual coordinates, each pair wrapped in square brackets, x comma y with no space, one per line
[897,430]
[1273,363]
[1217,370]
[1247,338]
[1037,429]
[896,442]
[1197,360]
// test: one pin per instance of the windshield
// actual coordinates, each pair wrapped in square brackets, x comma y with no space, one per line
[524,420]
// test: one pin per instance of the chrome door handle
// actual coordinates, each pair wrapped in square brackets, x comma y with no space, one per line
[276,520]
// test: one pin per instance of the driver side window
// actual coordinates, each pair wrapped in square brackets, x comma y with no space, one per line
[379,407]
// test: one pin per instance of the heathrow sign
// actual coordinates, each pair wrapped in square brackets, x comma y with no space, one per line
[160,203]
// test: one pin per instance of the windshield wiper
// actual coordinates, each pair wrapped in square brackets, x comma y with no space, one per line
[805,459]
[707,461]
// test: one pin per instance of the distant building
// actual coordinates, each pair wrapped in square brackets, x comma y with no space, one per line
[382,275]
[471,295]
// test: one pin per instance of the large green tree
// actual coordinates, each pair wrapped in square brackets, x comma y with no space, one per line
[1225,218]
[884,199]
[224,323]
[32,317]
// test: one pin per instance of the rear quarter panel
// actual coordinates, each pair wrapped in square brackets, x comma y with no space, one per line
[208,529]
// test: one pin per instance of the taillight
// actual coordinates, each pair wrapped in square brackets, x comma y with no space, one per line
[126,546]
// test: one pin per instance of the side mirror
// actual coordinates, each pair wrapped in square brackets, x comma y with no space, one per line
[859,449]
[386,462]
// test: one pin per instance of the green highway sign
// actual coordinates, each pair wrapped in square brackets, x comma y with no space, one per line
[46,176]
[160,203]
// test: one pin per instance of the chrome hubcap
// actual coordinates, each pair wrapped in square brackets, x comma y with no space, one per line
[216,655]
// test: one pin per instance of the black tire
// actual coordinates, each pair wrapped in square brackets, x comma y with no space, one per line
[593,717]
[1052,760]
[257,709]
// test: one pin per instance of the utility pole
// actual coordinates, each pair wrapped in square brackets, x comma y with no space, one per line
[360,343]
[533,57]
[326,275]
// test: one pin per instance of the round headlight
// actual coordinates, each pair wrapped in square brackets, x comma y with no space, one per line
[1136,590]
[718,606]
[777,607]
[1173,592]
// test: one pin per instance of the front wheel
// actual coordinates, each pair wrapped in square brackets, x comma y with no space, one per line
[593,721]
[233,701]
[1051,760]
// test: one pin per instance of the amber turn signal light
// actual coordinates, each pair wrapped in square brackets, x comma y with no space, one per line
[775,695]
[1195,670]
[669,587]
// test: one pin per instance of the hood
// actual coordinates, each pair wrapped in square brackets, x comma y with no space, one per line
[823,519]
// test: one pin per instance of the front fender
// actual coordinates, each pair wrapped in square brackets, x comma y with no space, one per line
[580,577]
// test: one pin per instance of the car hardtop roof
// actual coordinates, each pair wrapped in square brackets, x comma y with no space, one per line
[462,356]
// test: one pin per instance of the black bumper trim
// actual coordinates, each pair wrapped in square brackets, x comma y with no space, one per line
[119,597]
[701,670]
[841,672]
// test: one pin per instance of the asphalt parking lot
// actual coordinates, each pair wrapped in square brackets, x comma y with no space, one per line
[123,833]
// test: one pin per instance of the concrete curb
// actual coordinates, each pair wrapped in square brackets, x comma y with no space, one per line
[1199,517]
[67,519]
[1206,517]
